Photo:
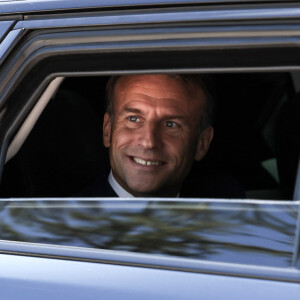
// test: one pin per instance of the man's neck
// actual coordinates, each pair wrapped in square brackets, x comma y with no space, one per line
[122,193]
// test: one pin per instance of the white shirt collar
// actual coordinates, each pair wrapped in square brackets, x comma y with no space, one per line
[117,188]
[122,193]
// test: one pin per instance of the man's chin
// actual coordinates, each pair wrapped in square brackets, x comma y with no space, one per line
[149,186]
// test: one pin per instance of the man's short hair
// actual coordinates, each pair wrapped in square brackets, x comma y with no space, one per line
[203,82]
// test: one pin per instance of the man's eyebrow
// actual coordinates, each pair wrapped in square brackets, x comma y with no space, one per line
[138,111]
[174,117]
[131,110]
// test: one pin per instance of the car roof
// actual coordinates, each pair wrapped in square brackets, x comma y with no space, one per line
[33,6]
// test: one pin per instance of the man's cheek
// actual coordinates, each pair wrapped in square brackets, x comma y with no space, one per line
[175,147]
[124,137]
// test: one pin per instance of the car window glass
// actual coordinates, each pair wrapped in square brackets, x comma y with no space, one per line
[233,231]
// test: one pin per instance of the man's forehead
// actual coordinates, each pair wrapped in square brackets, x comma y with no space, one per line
[163,95]
[144,106]
[158,85]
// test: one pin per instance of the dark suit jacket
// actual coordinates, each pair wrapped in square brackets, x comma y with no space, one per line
[99,188]
[216,185]
[212,185]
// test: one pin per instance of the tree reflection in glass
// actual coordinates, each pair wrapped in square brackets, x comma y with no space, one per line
[228,231]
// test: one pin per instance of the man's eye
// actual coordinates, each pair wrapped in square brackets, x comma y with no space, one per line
[133,119]
[171,124]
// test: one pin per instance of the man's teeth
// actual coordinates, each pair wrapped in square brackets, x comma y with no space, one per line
[146,163]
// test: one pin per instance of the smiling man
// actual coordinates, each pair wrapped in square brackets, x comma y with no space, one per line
[155,127]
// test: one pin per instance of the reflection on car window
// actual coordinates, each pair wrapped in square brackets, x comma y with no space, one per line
[253,233]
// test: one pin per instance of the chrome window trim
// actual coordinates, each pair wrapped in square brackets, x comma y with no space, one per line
[149,261]
[4,28]
[8,43]
[166,16]
[10,7]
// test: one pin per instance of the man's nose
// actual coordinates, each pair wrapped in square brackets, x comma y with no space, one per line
[149,137]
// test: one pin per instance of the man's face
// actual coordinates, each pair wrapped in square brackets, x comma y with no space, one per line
[154,134]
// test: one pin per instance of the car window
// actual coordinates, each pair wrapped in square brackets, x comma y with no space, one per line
[255,145]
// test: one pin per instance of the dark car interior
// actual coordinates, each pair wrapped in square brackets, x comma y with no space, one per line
[255,148]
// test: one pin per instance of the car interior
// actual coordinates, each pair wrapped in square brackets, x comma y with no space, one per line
[256,145]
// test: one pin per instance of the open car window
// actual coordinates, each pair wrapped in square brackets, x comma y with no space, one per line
[58,151]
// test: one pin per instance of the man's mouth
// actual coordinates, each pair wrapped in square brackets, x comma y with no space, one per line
[146,162]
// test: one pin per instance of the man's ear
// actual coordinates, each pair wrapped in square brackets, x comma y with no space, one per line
[106,130]
[203,142]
